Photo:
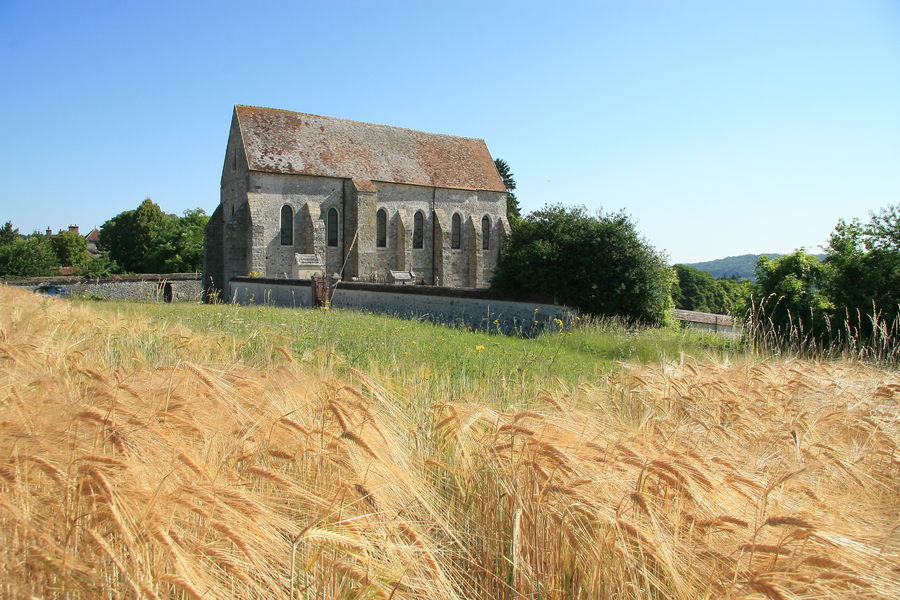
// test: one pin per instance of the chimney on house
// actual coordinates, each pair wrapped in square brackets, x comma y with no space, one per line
[74,228]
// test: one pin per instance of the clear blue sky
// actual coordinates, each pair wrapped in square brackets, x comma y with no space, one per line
[722,127]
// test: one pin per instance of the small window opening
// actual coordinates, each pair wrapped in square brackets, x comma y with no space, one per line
[418,230]
[287,226]
[455,237]
[485,232]
[381,228]
[333,227]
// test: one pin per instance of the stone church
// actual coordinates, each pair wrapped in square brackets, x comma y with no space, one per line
[303,194]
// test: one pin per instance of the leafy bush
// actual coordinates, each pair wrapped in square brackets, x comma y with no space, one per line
[848,304]
[797,281]
[99,266]
[865,267]
[32,256]
[598,264]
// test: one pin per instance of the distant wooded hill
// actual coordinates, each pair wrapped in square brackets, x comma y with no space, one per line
[734,266]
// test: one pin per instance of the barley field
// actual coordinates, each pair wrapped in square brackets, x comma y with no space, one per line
[141,457]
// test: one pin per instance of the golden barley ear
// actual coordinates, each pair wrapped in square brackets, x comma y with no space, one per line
[284,353]
[182,584]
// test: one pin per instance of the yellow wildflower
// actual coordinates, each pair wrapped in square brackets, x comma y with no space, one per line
[479,347]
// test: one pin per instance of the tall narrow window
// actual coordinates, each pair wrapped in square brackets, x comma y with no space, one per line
[333,227]
[287,226]
[381,228]
[485,232]
[419,230]
[455,233]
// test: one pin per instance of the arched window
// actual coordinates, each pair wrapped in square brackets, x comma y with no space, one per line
[333,227]
[287,226]
[418,230]
[381,228]
[485,232]
[455,232]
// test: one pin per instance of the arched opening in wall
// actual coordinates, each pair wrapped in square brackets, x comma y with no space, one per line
[418,230]
[287,226]
[456,232]
[485,232]
[333,227]
[381,228]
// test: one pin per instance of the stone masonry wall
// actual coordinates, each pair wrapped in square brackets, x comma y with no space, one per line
[468,266]
[401,203]
[247,230]
[295,293]
[477,313]
[310,199]
[479,309]
[185,286]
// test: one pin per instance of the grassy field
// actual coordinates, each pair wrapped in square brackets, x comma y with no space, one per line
[216,452]
[431,359]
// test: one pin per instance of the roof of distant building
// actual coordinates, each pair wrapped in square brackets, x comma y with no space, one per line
[281,141]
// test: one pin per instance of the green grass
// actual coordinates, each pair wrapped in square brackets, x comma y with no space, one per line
[422,357]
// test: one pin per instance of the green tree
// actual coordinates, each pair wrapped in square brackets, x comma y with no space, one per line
[697,290]
[180,249]
[865,263]
[513,211]
[793,290]
[598,264]
[70,248]
[99,266]
[32,256]
[134,238]
[8,234]
[738,294]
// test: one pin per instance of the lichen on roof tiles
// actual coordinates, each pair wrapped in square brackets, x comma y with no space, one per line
[281,141]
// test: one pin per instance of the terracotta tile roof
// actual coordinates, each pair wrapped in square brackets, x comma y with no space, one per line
[281,141]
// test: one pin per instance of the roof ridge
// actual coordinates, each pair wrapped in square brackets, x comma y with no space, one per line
[284,141]
[294,112]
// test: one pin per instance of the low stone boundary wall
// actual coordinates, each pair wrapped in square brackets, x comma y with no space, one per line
[475,308]
[171,287]
[293,293]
